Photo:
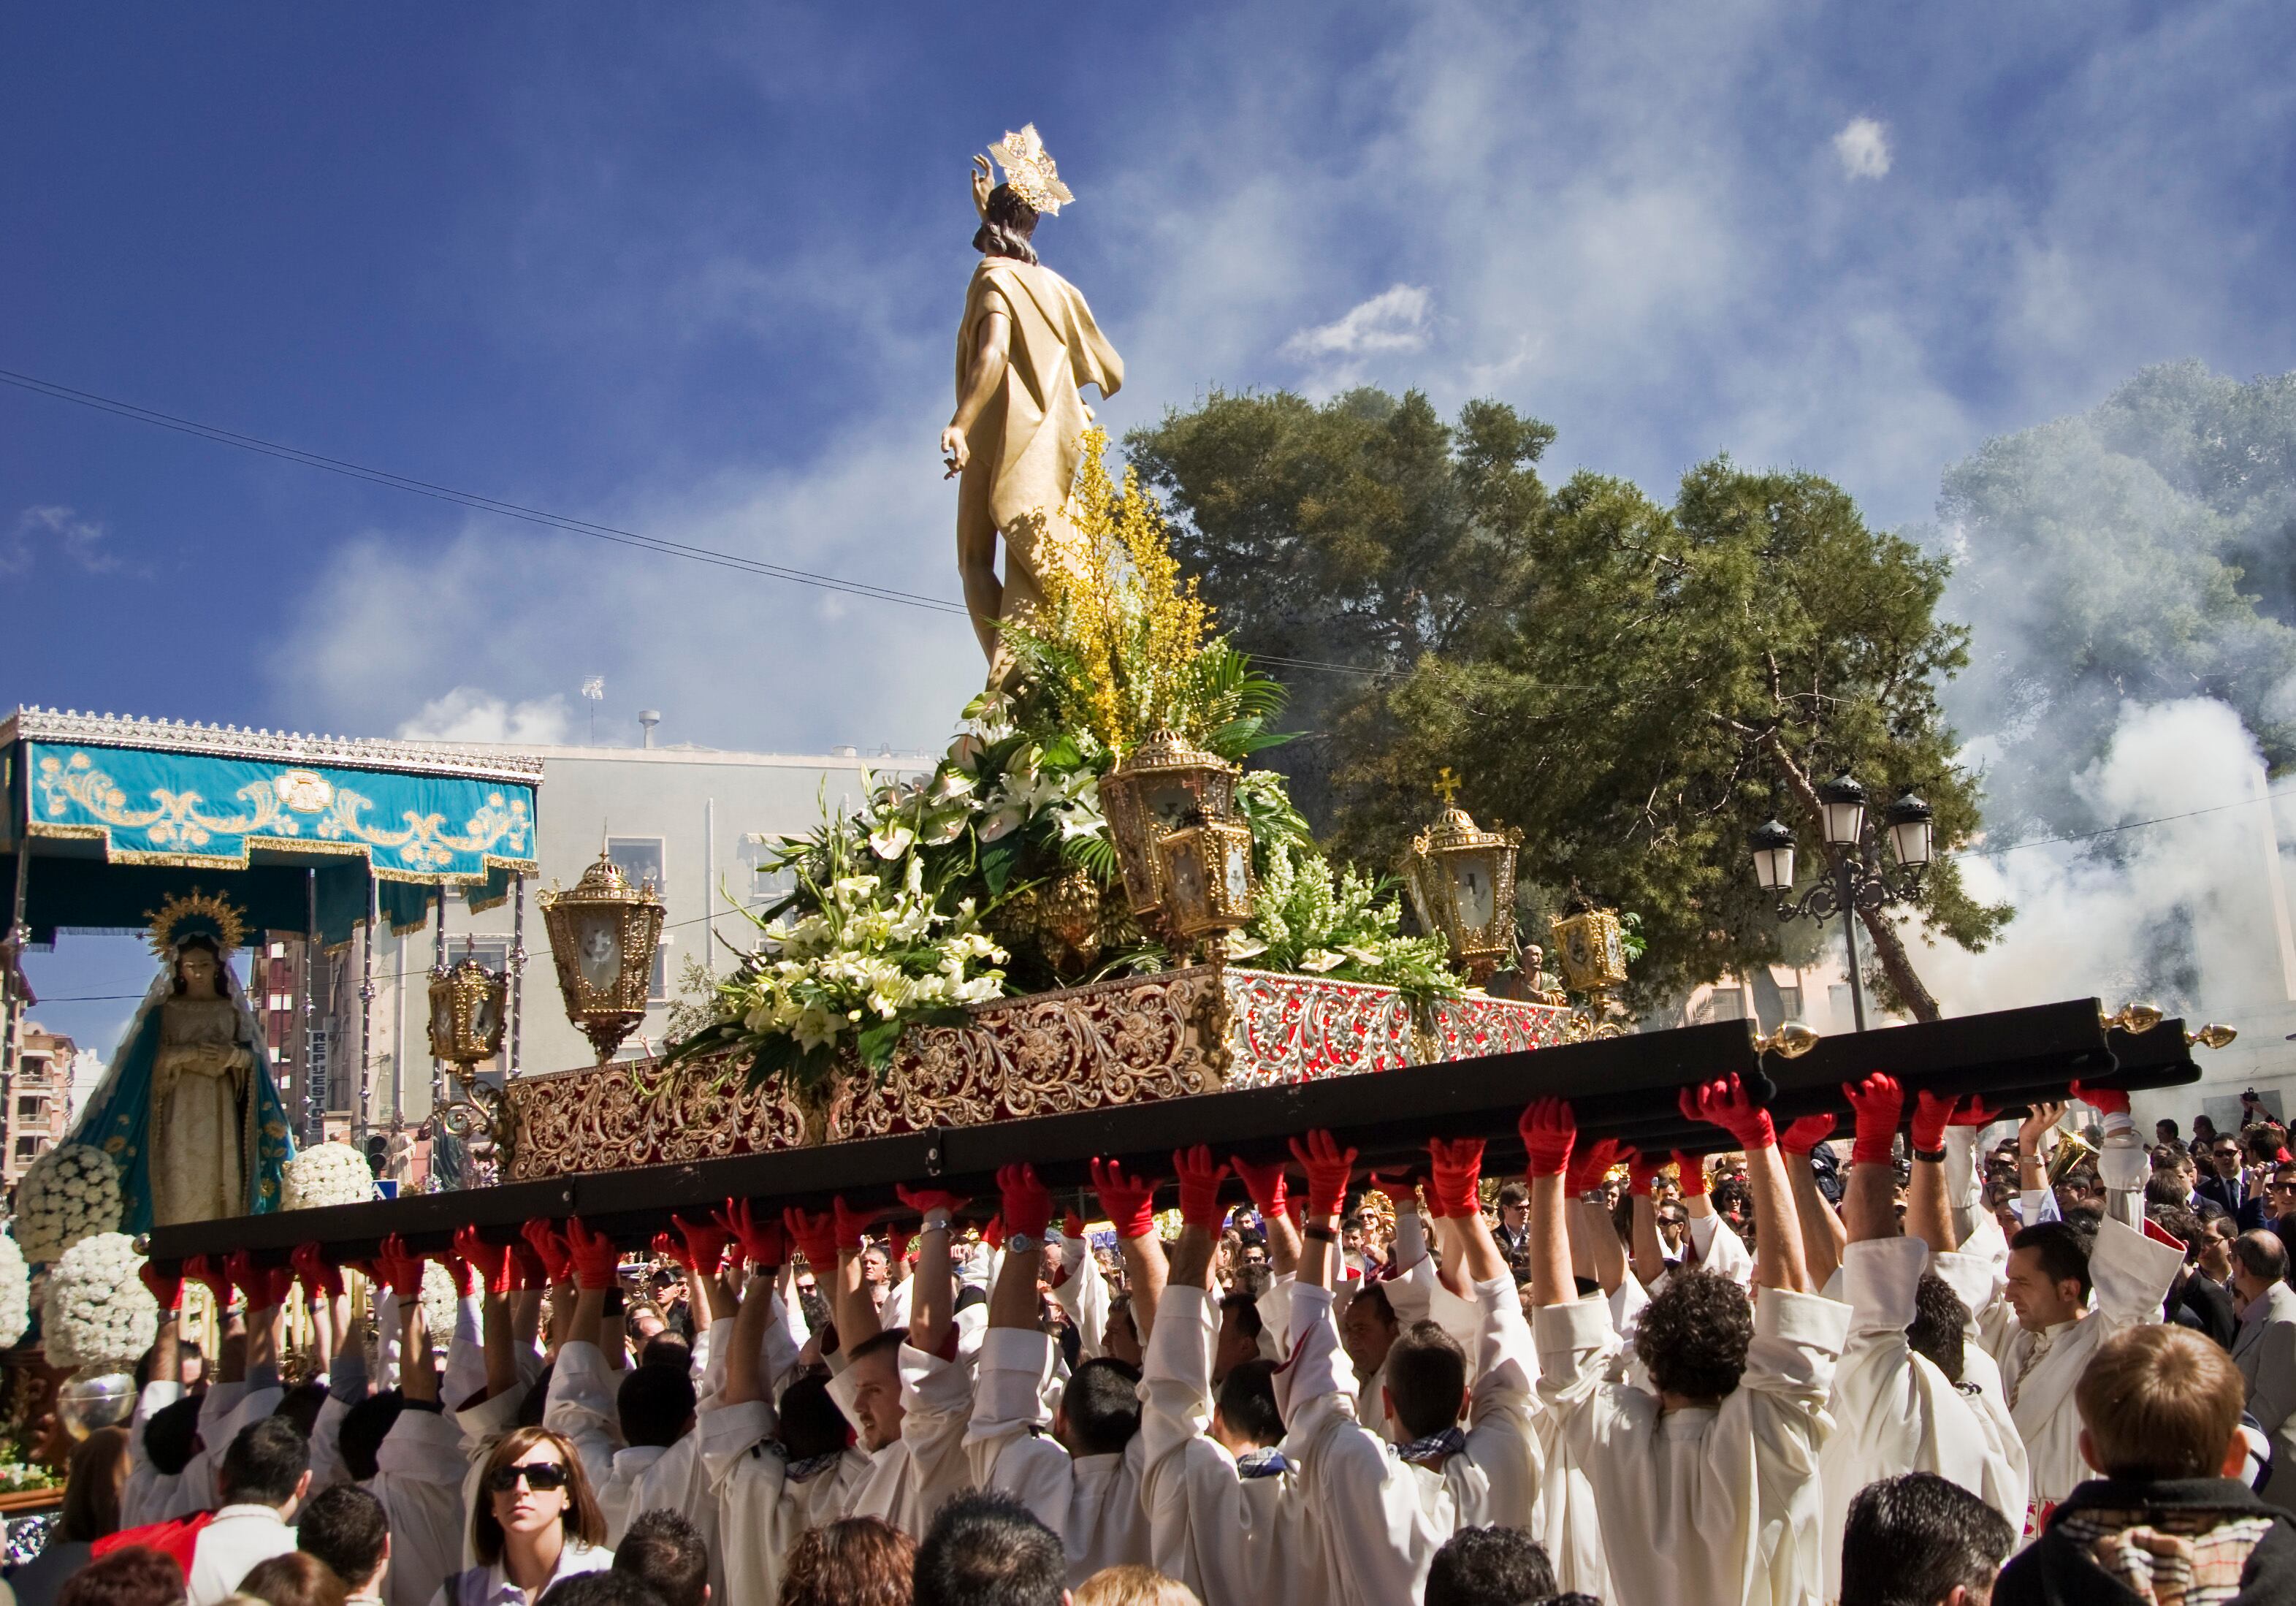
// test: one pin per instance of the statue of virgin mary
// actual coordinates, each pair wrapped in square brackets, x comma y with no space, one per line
[187,1109]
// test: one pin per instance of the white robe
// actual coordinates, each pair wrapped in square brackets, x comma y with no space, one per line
[2130,1275]
[1894,1411]
[909,1480]
[760,1510]
[1091,1502]
[418,1477]
[1711,1506]
[1235,1541]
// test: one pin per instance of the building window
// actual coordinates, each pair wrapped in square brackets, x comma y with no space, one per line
[640,859]
[1727,1003]
[31,1109]
[1790,1002]
[29,1147]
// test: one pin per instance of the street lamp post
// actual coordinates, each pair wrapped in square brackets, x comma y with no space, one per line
[1859,881]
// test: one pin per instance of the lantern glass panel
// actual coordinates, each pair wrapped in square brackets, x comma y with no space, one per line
[1474,888]
[1239,875]
[1845,823]
[1191,893]
[1170,804]
[598,949]
[1910,841]
[488,1020]
[442,1021]
[1773,869]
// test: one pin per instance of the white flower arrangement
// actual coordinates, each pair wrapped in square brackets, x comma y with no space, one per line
[70,1193]
[98,1312]
[15,1293]
[440,1300]
[327,1173]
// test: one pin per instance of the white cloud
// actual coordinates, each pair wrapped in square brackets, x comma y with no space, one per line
[469,714]
[1393,320]
[1864,146]
[79,540]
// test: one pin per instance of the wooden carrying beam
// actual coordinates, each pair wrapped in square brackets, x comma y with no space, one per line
[1623,1087]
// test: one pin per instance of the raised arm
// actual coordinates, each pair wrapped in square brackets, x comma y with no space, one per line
[1650,1252]
[1269,1199]
[1596,1252]
[1549,1133]
[1822,1233]
[1027,1207]
[1780,1261]
[1869,1203]
[1129,1201]
[1929,1203]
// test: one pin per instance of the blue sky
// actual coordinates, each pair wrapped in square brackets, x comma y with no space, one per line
[696,271]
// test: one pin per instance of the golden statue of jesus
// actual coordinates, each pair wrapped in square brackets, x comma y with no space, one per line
[1025,347]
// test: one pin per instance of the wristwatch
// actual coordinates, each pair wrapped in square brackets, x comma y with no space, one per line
[1020,1243]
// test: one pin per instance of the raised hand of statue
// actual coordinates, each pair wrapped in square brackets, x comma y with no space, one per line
[984,180]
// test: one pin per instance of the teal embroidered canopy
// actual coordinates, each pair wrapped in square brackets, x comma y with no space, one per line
[152,796]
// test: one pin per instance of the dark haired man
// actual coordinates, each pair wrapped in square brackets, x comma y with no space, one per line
[2053,1269]
[262,1479]
[986,1548]
[1704,1484]
[172,1475]
[1225,1512]
[1921,1540]
[666,1550]
[1488,1566]
[1077,1468]
[1901,1401]
[346,1528]
[1380,1515]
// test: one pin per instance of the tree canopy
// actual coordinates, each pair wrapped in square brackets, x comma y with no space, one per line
[1635,685]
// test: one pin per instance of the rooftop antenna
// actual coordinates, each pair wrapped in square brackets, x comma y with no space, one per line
[594,691]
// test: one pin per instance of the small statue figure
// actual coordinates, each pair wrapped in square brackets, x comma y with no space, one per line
[188,1110]
[1027,345]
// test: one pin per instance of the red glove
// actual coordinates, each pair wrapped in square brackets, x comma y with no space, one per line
[1328,1167]
[466,1277]
[210,1276]
[1549,1131]
[816,1236]
[1641,1174]
[492,1261]
[1690,1170]
[852,1225]
[1028,1206]
[1806,1134]
[1879,1102]
[1588,1169]
[251,1281]
[1199,1186]
[1072,1226]
[2105,1100]
[401,1271]
[924,1201]
[166,1286]
[595,1257]
[1932,1115]
[1975,1112]
[319,1275]
[764,1244]
[1458,1172]
[1128,1200]
[666,1247]
[993,1234]
[549,1246]
[1724,1104]
[1264,1184]
[705,1244]
[530,1273]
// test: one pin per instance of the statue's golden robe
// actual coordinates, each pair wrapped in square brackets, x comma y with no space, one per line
[1029,438]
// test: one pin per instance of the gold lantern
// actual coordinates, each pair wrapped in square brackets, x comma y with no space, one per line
[1461,884]
[601,935]
[1205,871]
[1161,785]
[467,1011]
[1590,949]
[468,1007]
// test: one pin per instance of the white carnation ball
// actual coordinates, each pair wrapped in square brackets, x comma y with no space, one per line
[328,1173]
[97,1310]
[68,1193]
[15,1293]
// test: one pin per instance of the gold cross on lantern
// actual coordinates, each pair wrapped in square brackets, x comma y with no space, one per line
[1447,785]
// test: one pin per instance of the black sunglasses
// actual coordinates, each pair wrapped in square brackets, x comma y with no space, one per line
[541,1477]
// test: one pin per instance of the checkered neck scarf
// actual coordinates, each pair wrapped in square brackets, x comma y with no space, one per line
[1261,1463]
[1429,1449]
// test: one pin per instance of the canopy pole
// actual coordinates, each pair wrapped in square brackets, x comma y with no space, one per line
[517,966]
[438,1067]
[366,1010]
[12,1004]
[313,1120]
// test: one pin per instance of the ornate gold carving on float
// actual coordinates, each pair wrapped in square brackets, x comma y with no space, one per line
[1137,1039]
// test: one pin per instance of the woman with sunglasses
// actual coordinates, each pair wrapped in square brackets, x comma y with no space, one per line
[536,1522]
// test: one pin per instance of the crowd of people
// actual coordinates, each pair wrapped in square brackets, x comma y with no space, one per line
[1925,1370]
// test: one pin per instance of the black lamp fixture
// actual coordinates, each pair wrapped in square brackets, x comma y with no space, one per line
[1859,881]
